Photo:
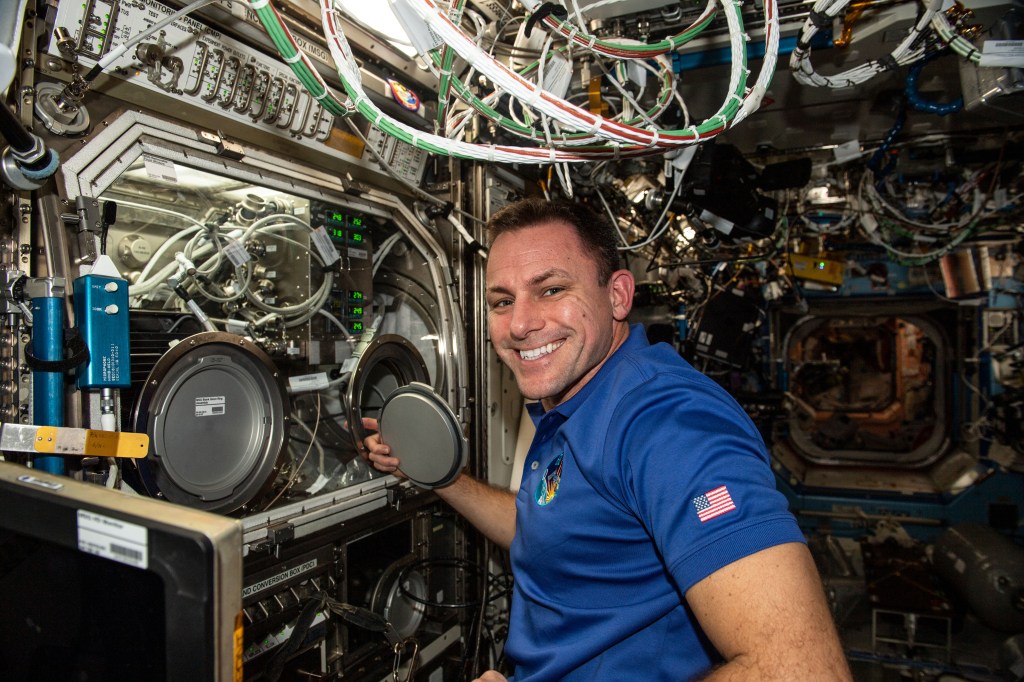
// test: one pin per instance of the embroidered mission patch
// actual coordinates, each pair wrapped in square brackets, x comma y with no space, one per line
[547,488]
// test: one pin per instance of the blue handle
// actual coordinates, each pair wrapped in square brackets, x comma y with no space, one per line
[48,387]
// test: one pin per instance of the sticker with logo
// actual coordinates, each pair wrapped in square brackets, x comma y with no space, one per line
[404,96]
[547,487]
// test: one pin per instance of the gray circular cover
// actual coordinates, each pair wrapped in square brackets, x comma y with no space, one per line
[424,434]
[214,409]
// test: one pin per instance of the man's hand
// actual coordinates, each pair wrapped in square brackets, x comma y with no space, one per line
[491,676]
[491,510]
[378,453]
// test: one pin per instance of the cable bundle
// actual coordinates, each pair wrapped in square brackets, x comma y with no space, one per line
[206,249]
[914,46]
[559,130]
[908,51]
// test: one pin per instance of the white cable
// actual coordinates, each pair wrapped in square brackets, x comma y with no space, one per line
[968,51]
[116,53]
[26,312]
[453,147]
[383,250]
[349,72]
[460,228]
[566,113]
[295,314]
[771,56]
[622,140]
[803,71]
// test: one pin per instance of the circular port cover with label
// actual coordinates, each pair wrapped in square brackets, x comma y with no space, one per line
[215,410]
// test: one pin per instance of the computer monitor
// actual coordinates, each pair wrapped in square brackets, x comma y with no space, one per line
[99,585]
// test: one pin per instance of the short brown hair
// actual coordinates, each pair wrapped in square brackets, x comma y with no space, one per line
[594,230]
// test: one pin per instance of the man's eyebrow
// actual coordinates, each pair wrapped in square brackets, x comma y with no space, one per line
[549,274]
[536,280]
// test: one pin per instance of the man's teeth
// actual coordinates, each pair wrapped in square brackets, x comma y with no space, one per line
[535,353]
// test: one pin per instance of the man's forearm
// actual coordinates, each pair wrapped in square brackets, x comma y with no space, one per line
[492,510]
[742,670]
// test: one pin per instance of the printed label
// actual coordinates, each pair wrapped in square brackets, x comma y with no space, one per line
[279,578]
[32,480]
[324,246]
[159,169]
[1004,47]
[1008,53]
[210,406]
[114,539]
[309,382]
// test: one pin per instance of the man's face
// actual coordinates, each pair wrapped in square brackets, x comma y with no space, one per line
[549,319]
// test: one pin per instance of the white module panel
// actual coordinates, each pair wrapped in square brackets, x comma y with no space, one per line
[195,62]
[205,68]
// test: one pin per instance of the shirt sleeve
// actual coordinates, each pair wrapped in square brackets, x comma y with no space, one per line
[698,476]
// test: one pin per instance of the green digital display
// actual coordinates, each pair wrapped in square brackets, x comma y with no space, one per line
[355,295]
[356,311]
[337,233]
[357,236]
[342,219]
[356,326]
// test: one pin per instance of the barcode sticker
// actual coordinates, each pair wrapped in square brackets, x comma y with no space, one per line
[159,169]
[1002,53]
[309,382]
[114,539]
[210,406]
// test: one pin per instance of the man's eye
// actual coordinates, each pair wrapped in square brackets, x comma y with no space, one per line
[551,291]
[500,304]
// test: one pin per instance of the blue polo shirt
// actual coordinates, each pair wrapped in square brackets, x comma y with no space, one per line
[642,484]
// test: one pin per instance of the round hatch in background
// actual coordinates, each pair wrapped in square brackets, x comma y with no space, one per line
[424,434]
[215,410]
[388,363]
[400,596]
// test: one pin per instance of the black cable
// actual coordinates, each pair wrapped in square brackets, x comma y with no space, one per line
[109,218]
[461,564]
[22,141]
[298,635]
[477,634]
[548,8]
[177,323]
[17,135]
[75,353]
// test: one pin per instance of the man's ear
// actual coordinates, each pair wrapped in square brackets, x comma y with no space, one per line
[620,291]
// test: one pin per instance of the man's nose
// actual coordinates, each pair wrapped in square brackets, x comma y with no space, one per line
[526,318]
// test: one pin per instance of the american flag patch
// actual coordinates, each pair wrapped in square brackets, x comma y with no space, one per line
[713,503]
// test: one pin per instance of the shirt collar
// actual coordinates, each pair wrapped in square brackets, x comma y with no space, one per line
[636,340]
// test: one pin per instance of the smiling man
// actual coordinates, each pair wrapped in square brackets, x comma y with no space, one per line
[647,539]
